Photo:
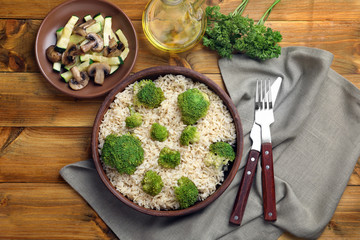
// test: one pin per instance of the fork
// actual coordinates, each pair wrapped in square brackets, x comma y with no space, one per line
[264,117]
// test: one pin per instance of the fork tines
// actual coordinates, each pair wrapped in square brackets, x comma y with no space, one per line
[263,97]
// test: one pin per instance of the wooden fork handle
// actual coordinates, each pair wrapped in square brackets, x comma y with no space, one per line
[268,183]
[244,188]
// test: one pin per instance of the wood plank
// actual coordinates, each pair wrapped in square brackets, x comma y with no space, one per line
[308,10]
[57,211]
[38,154]
[17,43]
[47,211]
[17,110]
[34,102]
[340,38]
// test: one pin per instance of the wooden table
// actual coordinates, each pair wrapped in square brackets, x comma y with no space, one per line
[42,130]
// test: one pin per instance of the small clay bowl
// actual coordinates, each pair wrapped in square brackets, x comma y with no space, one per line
[153,73]
[58,17]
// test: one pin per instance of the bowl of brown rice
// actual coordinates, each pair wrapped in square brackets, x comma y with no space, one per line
[221,123]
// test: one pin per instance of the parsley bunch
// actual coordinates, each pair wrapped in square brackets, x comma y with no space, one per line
[231,33]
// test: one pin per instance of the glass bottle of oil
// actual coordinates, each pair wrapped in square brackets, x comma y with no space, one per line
[174,25]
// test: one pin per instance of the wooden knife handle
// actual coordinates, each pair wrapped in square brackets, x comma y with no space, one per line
[244,188]
[268,183]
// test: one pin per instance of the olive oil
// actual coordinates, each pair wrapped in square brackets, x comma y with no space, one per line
[173,25]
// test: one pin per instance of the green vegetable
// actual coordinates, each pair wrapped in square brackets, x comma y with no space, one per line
[152,183]
[186,193]
[134,120]
[158,132]
[147,94]
[220,154]
[122,152]
[169,158]
[193,105]
[231,33]
[189,135]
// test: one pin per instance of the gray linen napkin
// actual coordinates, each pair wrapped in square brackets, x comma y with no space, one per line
[316,140]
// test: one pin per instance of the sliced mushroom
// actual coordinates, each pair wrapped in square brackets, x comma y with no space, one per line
[114,49]
[99,71]
[96,43]
[52,54]
[69,56]
[87,46]
[79,80]
[81,29]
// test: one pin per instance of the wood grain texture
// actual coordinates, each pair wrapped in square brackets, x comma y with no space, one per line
[42,130]
[308,10]
[47,211]
[342,41]
[55,211]
[17,41]
[30,155]
[37,103]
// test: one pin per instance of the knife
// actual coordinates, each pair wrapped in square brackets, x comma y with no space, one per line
[251,164]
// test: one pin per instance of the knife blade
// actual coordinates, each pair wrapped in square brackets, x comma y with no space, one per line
[251,164]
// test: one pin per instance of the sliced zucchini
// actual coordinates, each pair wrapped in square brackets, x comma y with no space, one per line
[59,32]
[82,67]
[97,53]
[97,58]
[99,18]
[57,66]
[95,28]
[76,39]
[63,42]
[113,68]
[85,57]
[84,42]
[113,35]
[87,17]
[122,38]
[107,30]
[125,53]
[66,76]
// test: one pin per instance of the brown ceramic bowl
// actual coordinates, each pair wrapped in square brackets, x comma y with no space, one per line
[154,73]
[58,17]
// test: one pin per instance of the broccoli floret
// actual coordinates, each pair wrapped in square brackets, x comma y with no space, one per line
[158,132]
[147,94]
[220,153]
[134,120]
[186,193]
[122,152]
[152,183]
[193,105]
[189,135]
[169,158]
